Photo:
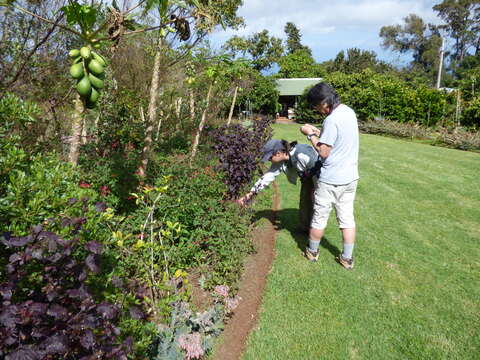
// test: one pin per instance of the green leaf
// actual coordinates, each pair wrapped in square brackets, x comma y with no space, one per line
[83,15]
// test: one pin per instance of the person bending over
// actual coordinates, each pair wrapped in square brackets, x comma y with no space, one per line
[296,161]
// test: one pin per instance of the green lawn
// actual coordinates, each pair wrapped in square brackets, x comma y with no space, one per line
[415,290]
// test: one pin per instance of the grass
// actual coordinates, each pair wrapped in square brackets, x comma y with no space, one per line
[415,290]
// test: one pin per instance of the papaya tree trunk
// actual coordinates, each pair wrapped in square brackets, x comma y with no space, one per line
[178,107]
[192,106]
[77,123]
[201,125]
[152,112]
[83,140]
[178,113]
[230,114]
[159,125]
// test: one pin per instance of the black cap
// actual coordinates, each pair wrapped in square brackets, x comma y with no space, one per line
[271,147]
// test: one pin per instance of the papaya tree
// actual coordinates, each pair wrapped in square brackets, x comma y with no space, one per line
[88,66]
[237,71]
[211,74]
[94,25]
[193,20]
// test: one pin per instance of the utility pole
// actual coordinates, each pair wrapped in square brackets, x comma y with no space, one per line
[440,65]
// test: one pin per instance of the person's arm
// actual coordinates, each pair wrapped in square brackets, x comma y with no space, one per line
[323,149]
[322,143]
[261,184]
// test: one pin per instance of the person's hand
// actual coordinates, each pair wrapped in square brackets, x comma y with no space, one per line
[308,129]
[244,200]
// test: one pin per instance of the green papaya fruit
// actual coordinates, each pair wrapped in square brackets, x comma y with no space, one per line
[103,58]
[76,70]
[99,59]
[95,67]
[85,52]
[78,59]
[95,81]
[84,87]
[74,53]
[94,94]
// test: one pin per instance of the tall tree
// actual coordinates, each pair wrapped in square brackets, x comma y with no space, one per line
[357,60]
[263,50]
[299,64]
[294,39]
[422,40]
[461,23]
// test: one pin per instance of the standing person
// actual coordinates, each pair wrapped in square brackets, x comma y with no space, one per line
[296,161]
[337,144]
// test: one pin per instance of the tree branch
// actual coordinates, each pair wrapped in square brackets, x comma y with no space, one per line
[66,28]
[30,54]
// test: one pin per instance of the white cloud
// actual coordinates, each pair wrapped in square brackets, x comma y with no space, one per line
[348,23]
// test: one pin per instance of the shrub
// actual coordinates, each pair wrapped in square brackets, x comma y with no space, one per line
[213,235]
[238,150]
[19,120]
[458,138]
[34,188]
[471,113]
[385,96]
[48,310]
[385,127]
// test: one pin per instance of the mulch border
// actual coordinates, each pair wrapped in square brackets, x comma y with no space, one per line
[251,289]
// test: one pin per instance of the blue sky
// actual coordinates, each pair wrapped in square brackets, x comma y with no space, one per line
[330,26]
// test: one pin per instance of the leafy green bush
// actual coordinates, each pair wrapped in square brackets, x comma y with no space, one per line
[18,118]
[263,97]
[385,96]
[34,188]
[304,112]
[112,176]
[471,113]
[214,233]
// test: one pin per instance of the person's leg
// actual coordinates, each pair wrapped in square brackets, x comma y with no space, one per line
[321,212]
[348,236]
[346,221]
[305,207]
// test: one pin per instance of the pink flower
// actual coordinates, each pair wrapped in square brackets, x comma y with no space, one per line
[84,185]
[222,290]
[191,343]
[104,190]
[232,303]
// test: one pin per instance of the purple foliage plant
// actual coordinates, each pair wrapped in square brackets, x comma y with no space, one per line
[239,150]
[47,310]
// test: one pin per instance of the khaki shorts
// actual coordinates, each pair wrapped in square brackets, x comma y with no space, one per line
[341,197]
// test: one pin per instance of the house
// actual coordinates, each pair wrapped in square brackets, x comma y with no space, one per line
[290,91]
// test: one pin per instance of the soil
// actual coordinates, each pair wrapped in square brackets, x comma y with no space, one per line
[284,120]
[251,288]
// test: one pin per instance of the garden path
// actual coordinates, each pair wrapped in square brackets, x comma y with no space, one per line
[251,287]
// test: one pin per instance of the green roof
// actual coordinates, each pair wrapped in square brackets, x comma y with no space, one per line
[295,87]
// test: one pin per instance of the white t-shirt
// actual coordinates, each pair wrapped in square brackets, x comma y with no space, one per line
[340,130]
